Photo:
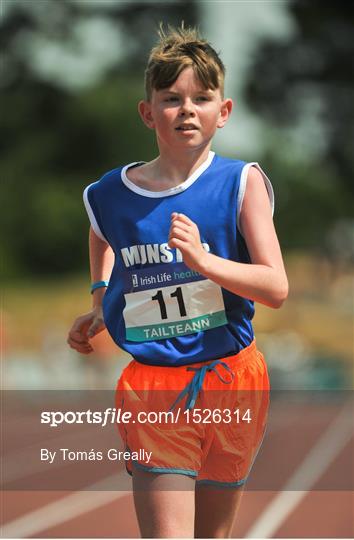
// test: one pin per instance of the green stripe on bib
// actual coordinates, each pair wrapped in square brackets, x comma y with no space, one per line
[154,332]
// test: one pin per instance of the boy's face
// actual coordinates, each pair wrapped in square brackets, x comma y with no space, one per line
[185,115]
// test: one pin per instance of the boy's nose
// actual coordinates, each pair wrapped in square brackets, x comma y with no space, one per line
[186,108]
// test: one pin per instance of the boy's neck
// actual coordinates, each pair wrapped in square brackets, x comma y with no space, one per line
[175,168]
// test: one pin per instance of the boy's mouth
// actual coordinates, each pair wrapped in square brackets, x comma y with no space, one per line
[186,127]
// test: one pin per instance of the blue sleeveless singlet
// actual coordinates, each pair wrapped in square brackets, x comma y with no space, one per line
[155,307]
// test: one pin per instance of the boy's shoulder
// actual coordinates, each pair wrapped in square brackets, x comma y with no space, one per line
[112,177]
[223,162]
[112,174]
[108,178]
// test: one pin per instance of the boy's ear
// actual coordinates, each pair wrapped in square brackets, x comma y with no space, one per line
[144,108]
[225,111]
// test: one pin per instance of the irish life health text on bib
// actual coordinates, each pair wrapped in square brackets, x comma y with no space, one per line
[168,301]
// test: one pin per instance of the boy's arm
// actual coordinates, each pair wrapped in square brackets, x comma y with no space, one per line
[265,279]
[101,264]
[88,325]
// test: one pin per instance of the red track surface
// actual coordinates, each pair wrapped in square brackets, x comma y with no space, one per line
[294,436]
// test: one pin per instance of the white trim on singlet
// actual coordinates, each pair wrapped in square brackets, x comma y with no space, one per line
[242,189]
[91,215]
[167,192]
[181,187]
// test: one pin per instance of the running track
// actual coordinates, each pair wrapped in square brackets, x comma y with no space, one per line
[306,461]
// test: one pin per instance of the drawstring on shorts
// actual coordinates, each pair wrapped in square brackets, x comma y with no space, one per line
[193,388]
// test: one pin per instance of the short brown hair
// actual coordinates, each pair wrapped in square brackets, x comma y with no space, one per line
[178,49]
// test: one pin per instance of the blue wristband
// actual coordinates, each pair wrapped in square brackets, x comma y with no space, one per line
[98,285]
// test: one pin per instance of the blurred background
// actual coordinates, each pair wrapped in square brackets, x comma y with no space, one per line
[72,74]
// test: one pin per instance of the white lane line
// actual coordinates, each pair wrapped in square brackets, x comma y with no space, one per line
[328,446]
[68,507]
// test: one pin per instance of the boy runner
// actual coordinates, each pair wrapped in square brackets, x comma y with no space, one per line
[180,249]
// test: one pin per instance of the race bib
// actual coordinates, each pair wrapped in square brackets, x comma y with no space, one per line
[170,301]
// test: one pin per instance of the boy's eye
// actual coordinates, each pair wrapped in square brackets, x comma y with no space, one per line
[171,98]
[202,98]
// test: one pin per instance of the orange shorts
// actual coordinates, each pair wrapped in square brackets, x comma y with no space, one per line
[205,420]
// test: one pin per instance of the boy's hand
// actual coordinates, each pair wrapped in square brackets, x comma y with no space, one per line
[184,235]
[84,328]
